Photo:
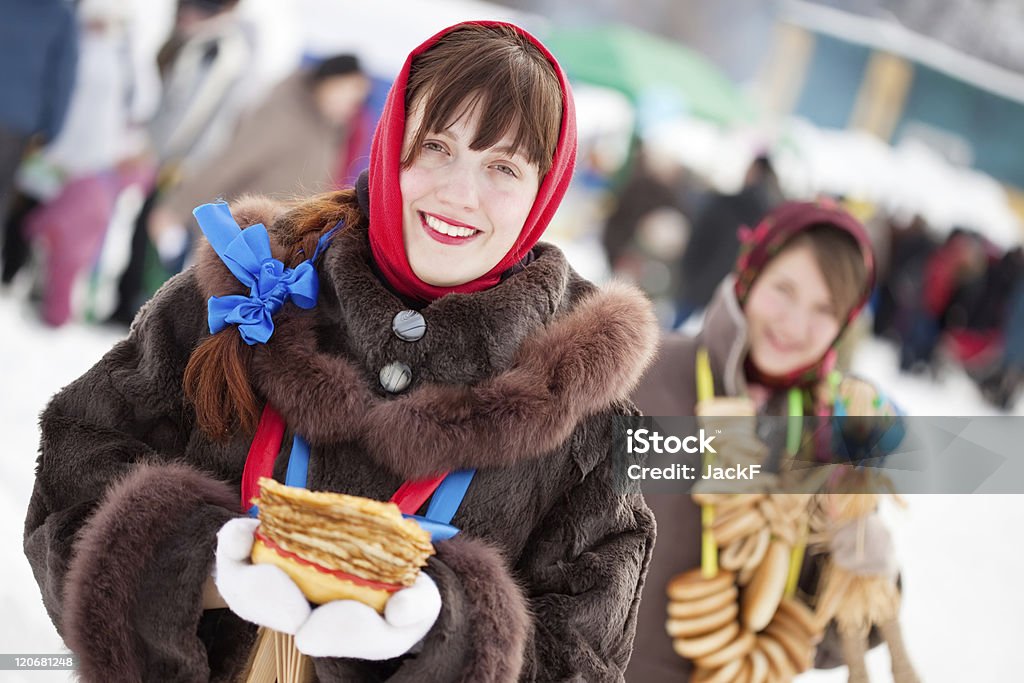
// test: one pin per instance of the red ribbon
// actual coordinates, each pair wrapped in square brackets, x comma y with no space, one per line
[413,494]
[266,444]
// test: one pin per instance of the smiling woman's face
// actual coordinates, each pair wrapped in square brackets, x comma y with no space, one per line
[791,317]
[462,209]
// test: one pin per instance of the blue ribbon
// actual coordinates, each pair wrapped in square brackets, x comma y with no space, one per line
[298,463]
[247,255]
[298,468]
[443,504]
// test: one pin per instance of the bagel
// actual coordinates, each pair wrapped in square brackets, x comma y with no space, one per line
[731,672]
[704,624]
[737,527]
[799,614]
[761,541]
[798,647]
[758,666]
[694,648]
[688,609]
[726,515]
[735,651]
[747,573]
[762,595]
[736,555]
[779,667]
[692,585]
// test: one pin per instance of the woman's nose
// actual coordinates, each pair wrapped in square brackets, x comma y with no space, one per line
[795,324]
[803,320]
[459,188]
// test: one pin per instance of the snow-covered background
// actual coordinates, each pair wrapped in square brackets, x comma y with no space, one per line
[962,558]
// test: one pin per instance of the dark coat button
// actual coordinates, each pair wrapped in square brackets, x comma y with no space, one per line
[409,325]
[395,377]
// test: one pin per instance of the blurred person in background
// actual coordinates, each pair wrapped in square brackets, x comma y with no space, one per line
[202,65]
[713,244]
[770,332]
[997,319]
[646,232]
[1004,385]
[69,187]
[952,274]
[645,190]
[292,144]
[909,245]
[38,49]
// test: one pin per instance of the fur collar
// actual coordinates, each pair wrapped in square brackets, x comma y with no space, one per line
[725,336]
[501,376]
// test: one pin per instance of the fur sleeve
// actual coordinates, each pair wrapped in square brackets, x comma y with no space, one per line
[115,533]
[132,595]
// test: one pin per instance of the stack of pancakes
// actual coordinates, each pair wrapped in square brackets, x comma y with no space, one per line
[336,546]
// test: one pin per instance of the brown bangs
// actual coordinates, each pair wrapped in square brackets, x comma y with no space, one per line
[841,263]
[498,72]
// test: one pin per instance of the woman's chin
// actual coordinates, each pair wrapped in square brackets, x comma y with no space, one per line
[773,366]
[440,277]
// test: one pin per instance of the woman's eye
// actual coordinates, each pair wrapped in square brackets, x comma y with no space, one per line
[784,288]
[507,170]
[432,146]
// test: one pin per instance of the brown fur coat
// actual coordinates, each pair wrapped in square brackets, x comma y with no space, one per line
[519,381]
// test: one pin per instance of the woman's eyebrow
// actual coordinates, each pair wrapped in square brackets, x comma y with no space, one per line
[508,149]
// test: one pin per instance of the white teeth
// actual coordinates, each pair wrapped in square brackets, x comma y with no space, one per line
[440,226]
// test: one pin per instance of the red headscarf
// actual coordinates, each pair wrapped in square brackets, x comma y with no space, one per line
[760,245]
[386,239]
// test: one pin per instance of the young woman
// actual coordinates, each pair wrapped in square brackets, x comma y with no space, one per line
[770,331]
[427,331]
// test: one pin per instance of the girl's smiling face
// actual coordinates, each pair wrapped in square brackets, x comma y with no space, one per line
[791,316]
[462,209]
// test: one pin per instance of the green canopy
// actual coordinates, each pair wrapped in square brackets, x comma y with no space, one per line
[645,66]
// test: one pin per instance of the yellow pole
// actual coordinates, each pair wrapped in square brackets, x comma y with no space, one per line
[882,94]
[708,548]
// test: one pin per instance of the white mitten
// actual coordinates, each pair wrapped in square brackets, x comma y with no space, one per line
[260,593]
[347,628]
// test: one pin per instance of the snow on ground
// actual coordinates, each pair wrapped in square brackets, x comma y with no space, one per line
[38,361]
[963,606]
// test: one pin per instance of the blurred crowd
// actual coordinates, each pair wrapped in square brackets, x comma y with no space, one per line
[942,298]
[962,295]
[83,118]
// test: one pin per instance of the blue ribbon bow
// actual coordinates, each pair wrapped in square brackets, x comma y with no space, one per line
[247,255]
